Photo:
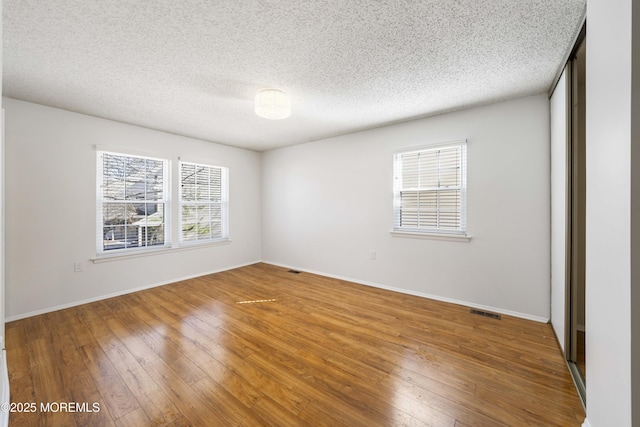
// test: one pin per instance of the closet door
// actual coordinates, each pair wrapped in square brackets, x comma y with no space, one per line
[576,327]
[559,106]
[568,202]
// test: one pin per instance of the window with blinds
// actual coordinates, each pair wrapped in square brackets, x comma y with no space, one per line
[132,194]
[430,189]
[203,203]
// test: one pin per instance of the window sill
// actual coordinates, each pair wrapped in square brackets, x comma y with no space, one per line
[432,236]
[108,257]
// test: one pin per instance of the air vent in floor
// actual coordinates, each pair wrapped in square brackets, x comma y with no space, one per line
[485,314]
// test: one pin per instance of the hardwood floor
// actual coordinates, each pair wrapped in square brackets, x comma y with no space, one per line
[300,349]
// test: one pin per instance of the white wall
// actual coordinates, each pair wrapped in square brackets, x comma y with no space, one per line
[51,208]
[327,204]
[558,106]
[609,255]
[634,300]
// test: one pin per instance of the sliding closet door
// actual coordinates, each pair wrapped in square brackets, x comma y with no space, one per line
[559,106]
[568,201]
[577,206]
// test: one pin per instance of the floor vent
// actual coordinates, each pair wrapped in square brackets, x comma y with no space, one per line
[255,301]
[293,271]
[485,314]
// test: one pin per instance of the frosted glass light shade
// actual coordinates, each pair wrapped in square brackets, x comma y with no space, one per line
[273,104]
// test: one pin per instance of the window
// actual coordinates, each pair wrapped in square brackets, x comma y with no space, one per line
[430,189]
[132,202]
[203,203]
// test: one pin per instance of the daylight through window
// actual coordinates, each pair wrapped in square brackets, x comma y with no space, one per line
[430,189]
[203,203]
[132,199]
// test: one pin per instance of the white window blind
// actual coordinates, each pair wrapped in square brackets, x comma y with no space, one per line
[430,189]
[132,211]
[203,203]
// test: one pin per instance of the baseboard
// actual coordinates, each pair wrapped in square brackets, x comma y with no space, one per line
[320,273]
[418,294]
[586,423]
[115,294]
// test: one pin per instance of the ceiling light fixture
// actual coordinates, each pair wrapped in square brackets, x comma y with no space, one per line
[273,104]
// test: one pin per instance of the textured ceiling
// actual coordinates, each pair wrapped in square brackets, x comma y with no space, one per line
[192,67]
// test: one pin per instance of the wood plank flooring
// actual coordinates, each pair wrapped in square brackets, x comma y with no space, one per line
[261,346]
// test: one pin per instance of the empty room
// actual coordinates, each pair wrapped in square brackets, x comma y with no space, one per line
[331,213]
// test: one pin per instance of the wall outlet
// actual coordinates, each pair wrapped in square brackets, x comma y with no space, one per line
[372,254]
[78,266]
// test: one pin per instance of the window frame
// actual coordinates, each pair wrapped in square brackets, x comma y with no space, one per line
[458,234]
[100,202]
[223,203]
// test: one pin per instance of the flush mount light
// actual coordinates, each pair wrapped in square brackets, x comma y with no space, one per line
[273,104]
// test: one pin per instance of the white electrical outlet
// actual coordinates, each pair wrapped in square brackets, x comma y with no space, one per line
[372,254]
[78,266]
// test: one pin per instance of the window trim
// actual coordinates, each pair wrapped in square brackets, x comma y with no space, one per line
[224,206]
[108,257]
[166,201]
[432,236]
[459,235]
